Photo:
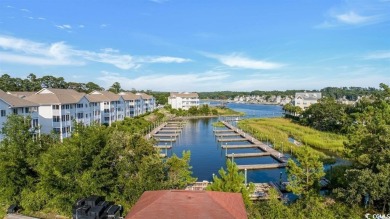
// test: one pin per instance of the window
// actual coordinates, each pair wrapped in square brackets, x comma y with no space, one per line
[27,110]
[56,118]
[35,122]
[15,111]
[80,115]
[106,110]
[3,113]
[80,105]
[56,107]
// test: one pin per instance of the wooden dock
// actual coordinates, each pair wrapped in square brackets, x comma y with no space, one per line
[166,135]
[174,125]
[261,166]
[166,139]
[231,139]
[224,130]
[169,131]
[170,128]
[243,155]
[227,135]
[176,122]
[240,146]
[163,146]
[274,153]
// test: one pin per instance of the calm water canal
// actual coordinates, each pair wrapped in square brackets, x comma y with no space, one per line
[207,156]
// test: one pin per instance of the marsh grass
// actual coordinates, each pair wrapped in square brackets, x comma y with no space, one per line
[278,130]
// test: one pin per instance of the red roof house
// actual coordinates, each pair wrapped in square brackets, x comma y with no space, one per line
[170,204]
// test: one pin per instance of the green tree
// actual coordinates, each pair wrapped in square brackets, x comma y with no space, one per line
[179,171]
[305,174]
[232,180]
[90,86]
[193,110]
[326,115]
[116,88]
[19,152]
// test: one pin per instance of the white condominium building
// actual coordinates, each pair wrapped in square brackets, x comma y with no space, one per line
[57,109]
[183,100]
[305,99]
[111,105]
[11,104]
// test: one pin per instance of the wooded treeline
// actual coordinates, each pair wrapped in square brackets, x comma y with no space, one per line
[366,182]
[34,83]
[42,174]
[350,93]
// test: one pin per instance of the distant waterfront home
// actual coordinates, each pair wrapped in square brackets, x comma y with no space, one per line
[305,99]
[183,100]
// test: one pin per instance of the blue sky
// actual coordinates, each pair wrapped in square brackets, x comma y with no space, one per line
[199,45]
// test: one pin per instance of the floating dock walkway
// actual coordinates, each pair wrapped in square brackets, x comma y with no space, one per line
[266,150]
[231,139]
[166,132]
[240,146]
[243,155]
[261,166]
[227,135]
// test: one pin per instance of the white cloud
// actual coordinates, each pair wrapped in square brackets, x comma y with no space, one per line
[164,59]
[352,18]
[22,51]
[81,26]
[25,10]
[238,61]
[356,14]
[173,82]
[103,25]
[41,18]
[378,55]
[64,27]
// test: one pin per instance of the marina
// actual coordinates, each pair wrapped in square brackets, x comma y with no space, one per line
[211,146]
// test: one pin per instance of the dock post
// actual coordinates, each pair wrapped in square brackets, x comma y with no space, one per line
[280,179]
[246,177]
[232,157]
[166,152]
[226,151]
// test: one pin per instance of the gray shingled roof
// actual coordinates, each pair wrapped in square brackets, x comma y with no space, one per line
[21,94]
[129,96]
[100,96]
[55,96]
[144,96]
[309,95]
[185,94]
[14,101]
